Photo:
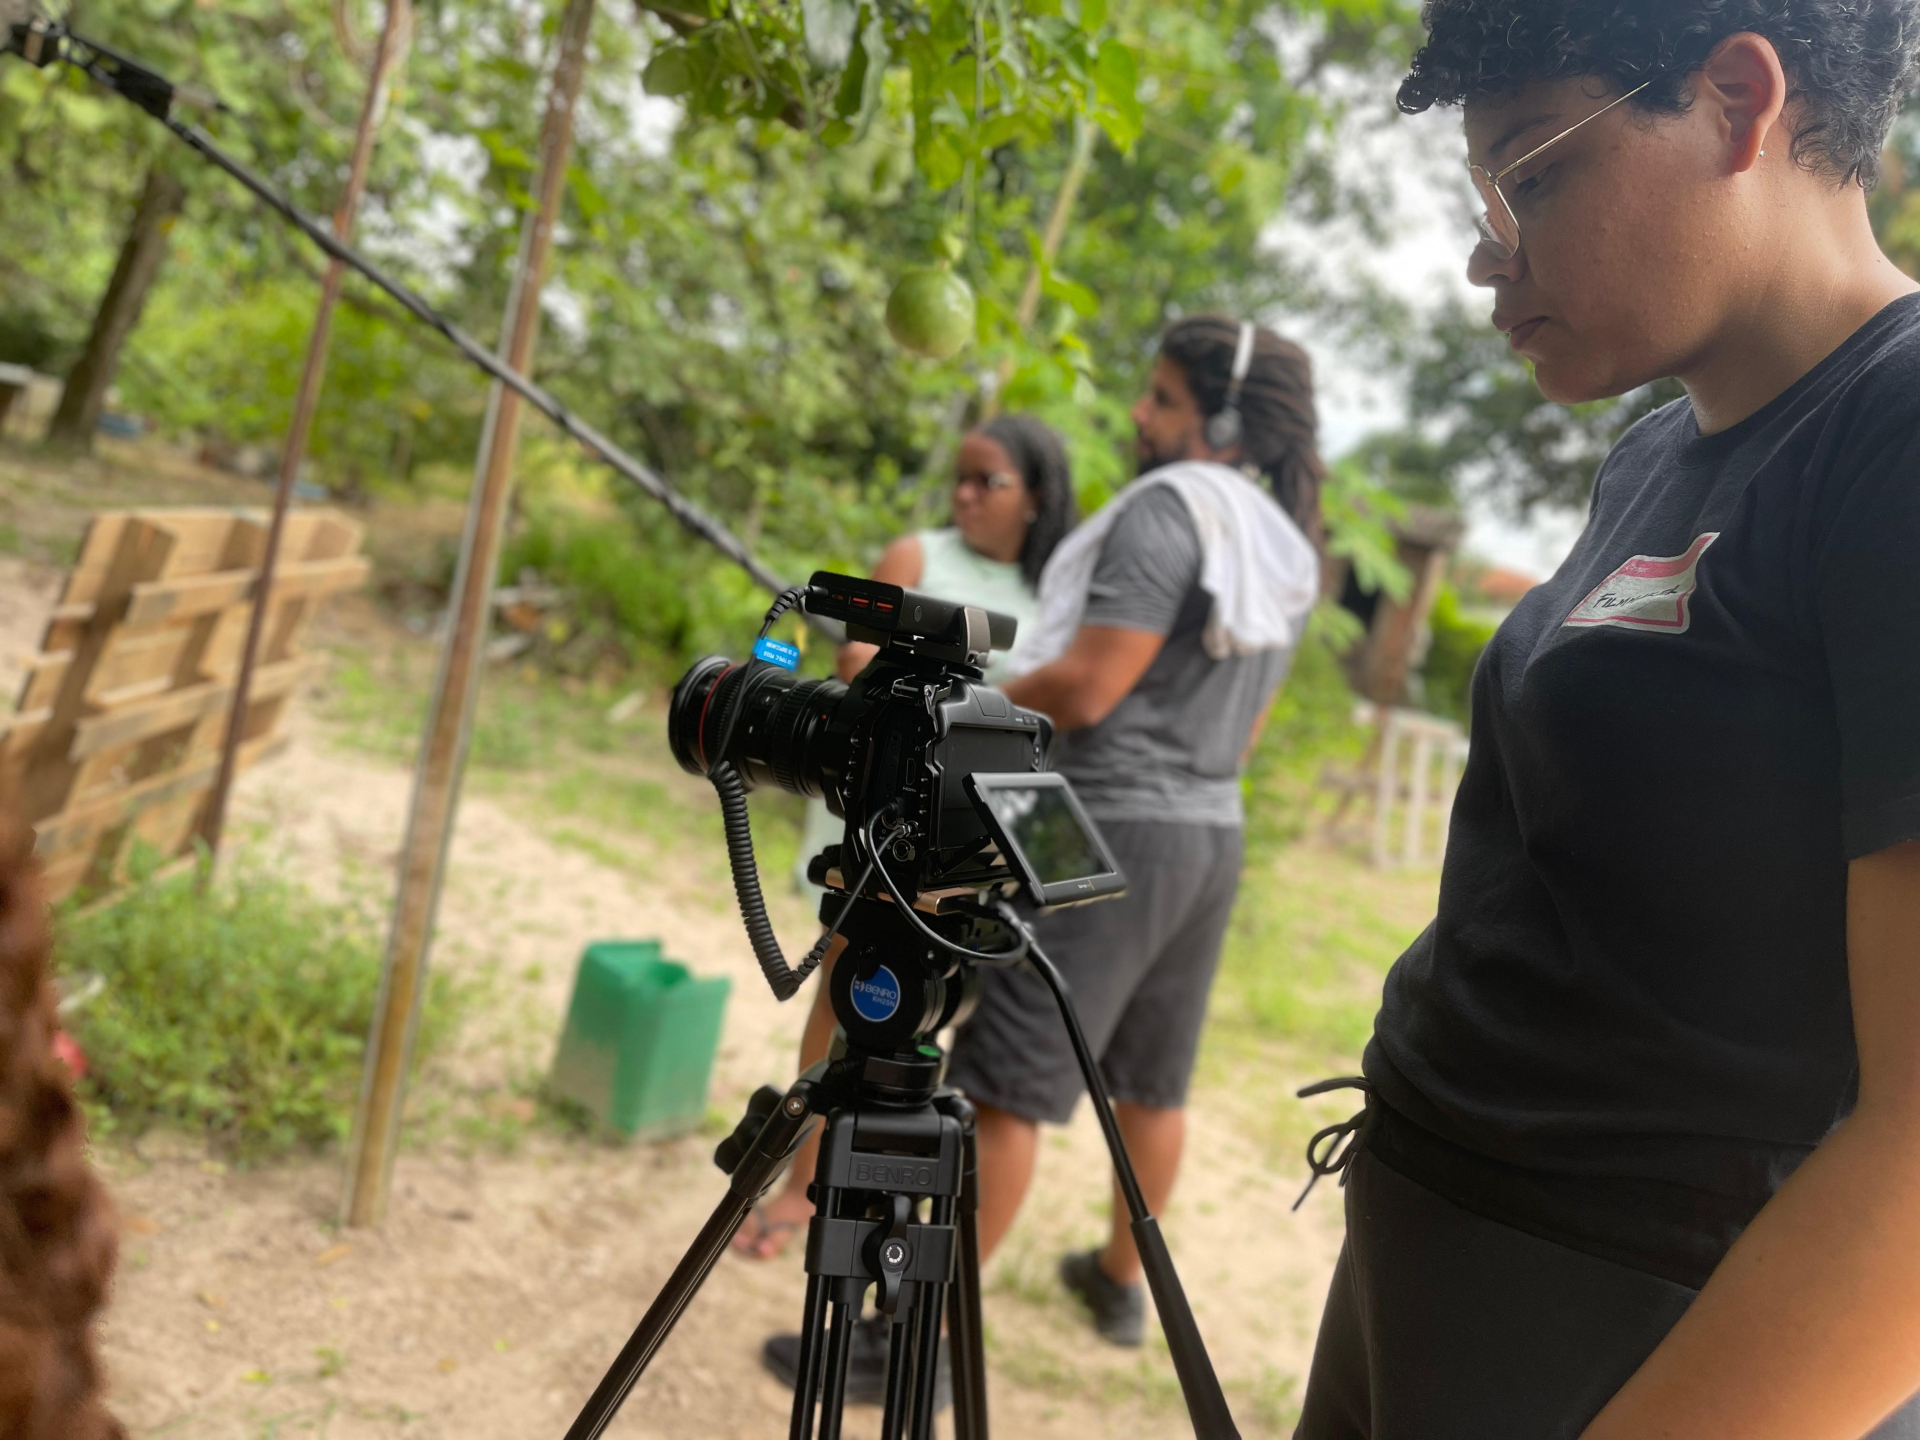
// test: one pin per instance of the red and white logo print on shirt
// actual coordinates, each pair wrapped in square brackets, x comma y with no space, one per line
[1649,592]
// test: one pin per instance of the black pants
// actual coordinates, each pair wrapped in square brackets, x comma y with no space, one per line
[1441,1325]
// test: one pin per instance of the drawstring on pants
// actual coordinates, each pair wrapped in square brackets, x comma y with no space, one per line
[1331,1151]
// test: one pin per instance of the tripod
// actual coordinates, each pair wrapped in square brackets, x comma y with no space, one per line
[894,1141]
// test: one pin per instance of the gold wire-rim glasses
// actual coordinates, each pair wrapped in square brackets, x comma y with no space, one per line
[1499,226]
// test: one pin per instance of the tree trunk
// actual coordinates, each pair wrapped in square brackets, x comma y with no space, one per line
[133,276]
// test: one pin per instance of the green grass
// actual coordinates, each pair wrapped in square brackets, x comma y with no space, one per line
[240,1012]
[1312,939]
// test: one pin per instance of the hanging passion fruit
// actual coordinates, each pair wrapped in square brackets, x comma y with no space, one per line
[931,312]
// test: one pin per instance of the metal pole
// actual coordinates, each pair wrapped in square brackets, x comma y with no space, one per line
[443,749]
[306,402]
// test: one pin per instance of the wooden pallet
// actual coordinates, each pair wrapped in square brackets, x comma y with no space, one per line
[117,733]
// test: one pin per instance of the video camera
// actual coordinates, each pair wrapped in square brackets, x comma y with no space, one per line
[939,777]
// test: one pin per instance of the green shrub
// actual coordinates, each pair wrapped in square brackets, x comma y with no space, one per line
[241,1011]
[1309,728]
[635,587]
[1457,643]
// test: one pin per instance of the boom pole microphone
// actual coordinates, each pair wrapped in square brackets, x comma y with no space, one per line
[40,42]
[32,37]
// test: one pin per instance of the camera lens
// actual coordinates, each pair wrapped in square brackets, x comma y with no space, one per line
[783,734]
[691,697]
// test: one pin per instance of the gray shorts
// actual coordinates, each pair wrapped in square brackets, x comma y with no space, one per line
[1139,969]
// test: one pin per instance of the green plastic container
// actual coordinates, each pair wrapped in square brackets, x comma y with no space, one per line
[640,1038]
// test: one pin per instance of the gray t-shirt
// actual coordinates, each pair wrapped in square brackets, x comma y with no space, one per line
[1170,751]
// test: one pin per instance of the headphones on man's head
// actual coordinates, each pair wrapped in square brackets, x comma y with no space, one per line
[1224,425]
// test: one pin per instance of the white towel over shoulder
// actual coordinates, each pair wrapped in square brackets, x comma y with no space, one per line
[1259,568]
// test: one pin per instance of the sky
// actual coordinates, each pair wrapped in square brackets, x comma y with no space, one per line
[1421,163]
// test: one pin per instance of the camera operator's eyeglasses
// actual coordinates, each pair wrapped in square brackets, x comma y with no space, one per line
[994,480]
[1499,226]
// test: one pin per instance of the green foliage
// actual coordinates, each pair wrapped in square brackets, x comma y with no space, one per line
[980,74]
[720,274]
[1482,426]
[631,589]
[241,1012]
[1309,728]
[225,361]
[1359,511]
[1458,641]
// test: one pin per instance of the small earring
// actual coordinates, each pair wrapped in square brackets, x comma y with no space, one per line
[1763,154]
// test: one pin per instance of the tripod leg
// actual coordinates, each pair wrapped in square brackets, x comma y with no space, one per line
[926,1349]
[658,1322]
[926,1331]
[754,1172]
[900,1337]
[1206,1403]
[839,1351]
[807,1384]
[965,1329]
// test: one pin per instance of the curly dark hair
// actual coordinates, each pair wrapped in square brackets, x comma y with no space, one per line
[1036,448]
[1849,62]
[57,1236]
[1279,422]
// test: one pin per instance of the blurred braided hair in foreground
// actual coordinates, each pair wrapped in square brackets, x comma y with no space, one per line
[57,1238]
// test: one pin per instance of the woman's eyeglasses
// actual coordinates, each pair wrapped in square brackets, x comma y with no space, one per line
[1499,226]
[985,480]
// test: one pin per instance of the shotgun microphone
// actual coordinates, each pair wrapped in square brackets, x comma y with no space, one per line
[40,42]
[32,37]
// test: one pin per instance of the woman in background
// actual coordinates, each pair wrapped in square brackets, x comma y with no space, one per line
[1013,503]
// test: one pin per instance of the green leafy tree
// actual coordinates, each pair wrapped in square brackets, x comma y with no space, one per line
[718,283]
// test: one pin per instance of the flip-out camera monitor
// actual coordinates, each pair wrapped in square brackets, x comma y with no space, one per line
[1046,837]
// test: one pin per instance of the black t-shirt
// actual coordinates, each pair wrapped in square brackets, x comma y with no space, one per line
[1630,1020]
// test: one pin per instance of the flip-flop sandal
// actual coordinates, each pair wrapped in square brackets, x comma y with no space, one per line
[753,1245]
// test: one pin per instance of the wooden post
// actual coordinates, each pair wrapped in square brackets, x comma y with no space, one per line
[213,818]
[443,750]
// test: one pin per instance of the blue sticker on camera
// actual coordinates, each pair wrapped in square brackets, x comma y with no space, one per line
[877,998]
[777,652]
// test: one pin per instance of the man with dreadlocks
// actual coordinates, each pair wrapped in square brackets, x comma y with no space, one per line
[1166,624]
[1641,1152]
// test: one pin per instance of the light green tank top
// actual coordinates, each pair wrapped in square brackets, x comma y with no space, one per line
[949,570]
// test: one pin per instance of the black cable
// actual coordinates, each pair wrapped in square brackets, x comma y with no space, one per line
[1206,1403]
[785,979]
[900,903]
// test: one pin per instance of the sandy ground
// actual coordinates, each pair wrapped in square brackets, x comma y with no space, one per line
[504,1281]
